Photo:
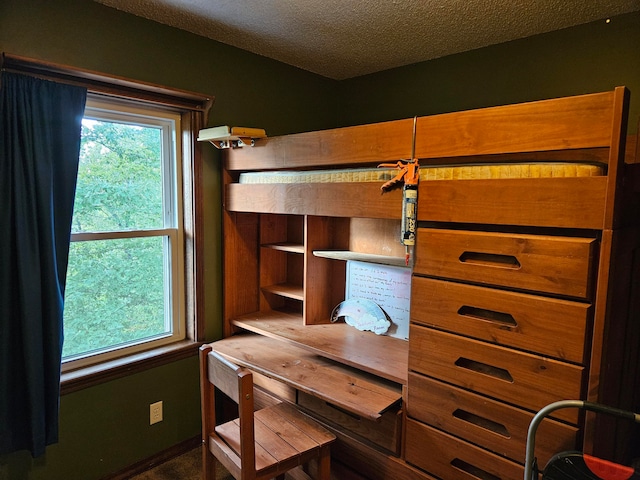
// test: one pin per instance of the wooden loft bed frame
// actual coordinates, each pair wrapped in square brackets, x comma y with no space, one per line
[271,232]
[578,129]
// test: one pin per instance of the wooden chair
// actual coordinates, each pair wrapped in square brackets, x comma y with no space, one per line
[257,445]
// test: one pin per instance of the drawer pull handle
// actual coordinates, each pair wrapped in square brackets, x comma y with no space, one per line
[479,367]
[504,319]
[482,422]
[490,260]
[472,470]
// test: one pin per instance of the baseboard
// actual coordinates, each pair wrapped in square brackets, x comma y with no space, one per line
[155,460]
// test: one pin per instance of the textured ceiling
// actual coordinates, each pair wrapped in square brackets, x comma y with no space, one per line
[341,39]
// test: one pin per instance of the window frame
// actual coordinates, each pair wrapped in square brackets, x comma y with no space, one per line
[193,109]
[168,122]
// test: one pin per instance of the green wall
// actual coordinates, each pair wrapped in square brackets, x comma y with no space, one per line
[105,428]
[584,59]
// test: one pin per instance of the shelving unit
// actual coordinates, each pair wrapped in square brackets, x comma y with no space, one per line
[523,289]
[281,262]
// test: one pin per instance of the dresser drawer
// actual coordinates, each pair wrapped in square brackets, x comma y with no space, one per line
[386,432]
[556,265]
[544,325]
[493,425]
[450,458]
[519,378]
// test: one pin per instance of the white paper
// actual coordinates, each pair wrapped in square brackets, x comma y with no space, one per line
[387,286]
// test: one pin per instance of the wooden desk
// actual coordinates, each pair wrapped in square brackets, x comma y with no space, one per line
[383,356]
[342,386]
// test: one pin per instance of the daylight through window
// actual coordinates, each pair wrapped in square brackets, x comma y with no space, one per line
[125,280]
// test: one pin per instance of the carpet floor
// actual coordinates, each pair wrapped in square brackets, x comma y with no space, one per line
[187,466]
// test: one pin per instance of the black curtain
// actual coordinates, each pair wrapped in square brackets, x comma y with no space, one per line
[40,124]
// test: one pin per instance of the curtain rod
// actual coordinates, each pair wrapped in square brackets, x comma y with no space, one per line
[108,85]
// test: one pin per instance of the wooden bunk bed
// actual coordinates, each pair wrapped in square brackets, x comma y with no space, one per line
[523,289]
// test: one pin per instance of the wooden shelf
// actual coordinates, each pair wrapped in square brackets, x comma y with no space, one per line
[286,247]
[287,290]
[384,356]
[361,257]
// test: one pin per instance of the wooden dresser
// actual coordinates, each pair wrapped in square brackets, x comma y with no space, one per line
[524,290]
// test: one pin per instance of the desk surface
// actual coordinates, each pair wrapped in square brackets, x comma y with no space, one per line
[383,356]
[347,388]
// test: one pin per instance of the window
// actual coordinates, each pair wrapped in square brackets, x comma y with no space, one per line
[142,109]
[125,282]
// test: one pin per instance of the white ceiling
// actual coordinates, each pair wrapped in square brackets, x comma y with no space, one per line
[341,39]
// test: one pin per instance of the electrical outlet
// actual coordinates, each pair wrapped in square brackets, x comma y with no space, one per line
[155,413]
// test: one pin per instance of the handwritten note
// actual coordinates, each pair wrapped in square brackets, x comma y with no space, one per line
[387,286]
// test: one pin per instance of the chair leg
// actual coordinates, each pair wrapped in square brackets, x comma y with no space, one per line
[208,464]
[324,463]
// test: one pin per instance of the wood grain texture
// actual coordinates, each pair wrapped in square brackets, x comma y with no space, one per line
[347,388]
[240,264]
[496,426]
[373,463]
[379,355]
[384,432]
[545,202]
[258,444]
[537,263]
[320,274]
[362,144]
[565,123]
[531,381]
[449,457]
[223,375]
[549,326]
[536,202]
[327,199]
[515,320]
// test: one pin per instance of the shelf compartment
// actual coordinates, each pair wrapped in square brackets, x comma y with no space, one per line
[281,256]
[287,290]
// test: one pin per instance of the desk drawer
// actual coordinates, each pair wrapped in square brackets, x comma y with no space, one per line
[557,265]
[494,425]
[450,458]
[519,378]
[544,325]
[386,432]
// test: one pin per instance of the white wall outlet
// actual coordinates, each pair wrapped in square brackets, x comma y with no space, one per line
[155,413]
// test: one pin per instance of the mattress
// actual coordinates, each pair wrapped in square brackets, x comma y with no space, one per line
[446,172]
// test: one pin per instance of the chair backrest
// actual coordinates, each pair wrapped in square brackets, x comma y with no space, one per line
[237,383]
[225,375]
